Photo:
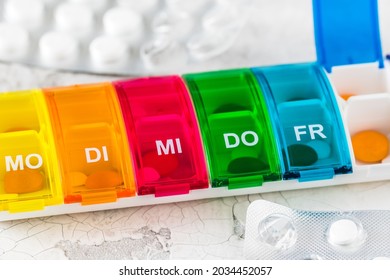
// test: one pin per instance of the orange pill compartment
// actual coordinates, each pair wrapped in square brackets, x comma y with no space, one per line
[92,143]
[29,167]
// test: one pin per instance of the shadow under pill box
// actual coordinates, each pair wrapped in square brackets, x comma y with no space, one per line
[203,135]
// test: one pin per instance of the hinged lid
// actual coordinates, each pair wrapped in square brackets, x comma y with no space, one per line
[347,32]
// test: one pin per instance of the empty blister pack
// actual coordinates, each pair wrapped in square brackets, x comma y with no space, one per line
[277,232]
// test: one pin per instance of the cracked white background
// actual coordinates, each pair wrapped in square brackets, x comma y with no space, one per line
[279,31]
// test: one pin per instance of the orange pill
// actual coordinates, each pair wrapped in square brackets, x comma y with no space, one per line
[103,179]
[77,179]
[346,96]
[23,181]
[370,146]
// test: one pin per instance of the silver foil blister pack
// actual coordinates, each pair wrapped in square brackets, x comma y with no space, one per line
[277,232]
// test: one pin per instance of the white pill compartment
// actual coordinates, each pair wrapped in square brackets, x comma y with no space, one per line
[364,99]
[350,50]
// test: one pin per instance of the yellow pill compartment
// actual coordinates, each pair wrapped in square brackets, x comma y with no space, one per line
[29,168]
[91,142]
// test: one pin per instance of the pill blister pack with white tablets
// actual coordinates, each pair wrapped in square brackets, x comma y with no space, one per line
[118,36]
[277,232]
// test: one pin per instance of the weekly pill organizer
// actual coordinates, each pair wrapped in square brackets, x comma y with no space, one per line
[175,138]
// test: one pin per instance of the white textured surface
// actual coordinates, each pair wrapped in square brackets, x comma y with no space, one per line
[280,31]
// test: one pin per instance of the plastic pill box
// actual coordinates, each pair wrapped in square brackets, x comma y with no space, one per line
[201,135]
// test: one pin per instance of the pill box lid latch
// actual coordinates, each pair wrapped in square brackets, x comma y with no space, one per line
[316,174]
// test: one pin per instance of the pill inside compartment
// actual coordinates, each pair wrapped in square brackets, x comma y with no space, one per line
[365,110]
[307,120]
[91,143]
[163,135]
[29,170]
[167,166]
[350,50]
[99,157]
[369,128]
[236,128]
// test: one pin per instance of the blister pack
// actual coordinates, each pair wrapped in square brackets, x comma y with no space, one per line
[274,231]
[126,37]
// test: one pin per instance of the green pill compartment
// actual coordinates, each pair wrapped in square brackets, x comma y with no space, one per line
[235,128]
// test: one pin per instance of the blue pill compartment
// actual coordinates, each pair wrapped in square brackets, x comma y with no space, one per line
[307,121]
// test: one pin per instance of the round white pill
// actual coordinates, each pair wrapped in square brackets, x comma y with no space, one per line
[343,232]
[143,7]
[14,42]
[124,23]
[27,13]
[108,51]
[74,18]
[58,49]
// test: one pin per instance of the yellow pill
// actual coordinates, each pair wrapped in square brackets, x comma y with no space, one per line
[23,181]
[104,179]
[370,146]
[77,179]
